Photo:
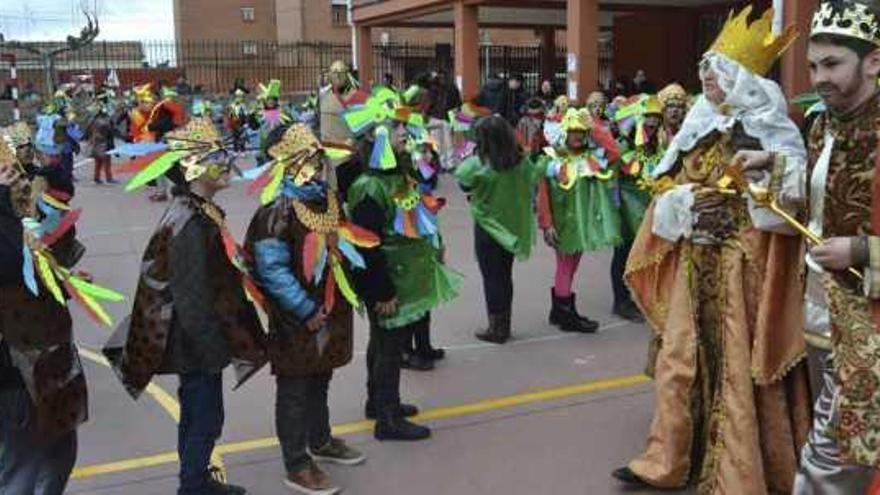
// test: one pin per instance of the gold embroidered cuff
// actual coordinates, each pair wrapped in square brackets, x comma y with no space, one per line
[872,271]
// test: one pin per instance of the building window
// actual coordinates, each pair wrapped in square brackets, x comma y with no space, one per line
[247,14]
[339,14]
[249,47]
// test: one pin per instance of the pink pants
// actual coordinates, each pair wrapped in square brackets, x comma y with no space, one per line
[566,266]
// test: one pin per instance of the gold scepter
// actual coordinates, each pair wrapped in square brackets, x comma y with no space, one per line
[764,197]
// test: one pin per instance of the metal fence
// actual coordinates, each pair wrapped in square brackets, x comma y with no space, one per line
[214,66]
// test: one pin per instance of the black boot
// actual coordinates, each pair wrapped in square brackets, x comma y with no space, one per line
[408,410]
[626,475]
[563,314]
[391,425]
[498,331]
[629,311]
[416,362]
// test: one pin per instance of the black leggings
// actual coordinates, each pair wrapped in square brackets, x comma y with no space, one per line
[496,266]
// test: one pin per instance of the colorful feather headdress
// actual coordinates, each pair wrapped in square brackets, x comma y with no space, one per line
[464,118]
[39,236]
[270,90]
[144,93]
[378,114]
[196,147]
[631,114]
[296,155]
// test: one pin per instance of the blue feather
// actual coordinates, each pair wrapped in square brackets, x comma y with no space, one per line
[135,150]
[27,271]
[322,264]
[351,254]
[427,223]
[398,222]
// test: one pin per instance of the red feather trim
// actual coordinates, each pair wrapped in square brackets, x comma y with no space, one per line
[260,182]
[329,291]
[139,163]
[310,255]
[67,222]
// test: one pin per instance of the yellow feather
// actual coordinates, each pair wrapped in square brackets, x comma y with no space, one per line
[48,277]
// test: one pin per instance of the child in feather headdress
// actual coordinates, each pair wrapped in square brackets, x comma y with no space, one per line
[575,207]
[388,199]
[42,386]
[304,251]
[193,311]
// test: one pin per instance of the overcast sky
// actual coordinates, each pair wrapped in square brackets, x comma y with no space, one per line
[30,20]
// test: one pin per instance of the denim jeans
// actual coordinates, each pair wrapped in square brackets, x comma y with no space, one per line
[31,463]
[201,422]
[302,417]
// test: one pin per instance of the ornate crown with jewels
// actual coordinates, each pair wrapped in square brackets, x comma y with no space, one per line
[754,46]
[847,18]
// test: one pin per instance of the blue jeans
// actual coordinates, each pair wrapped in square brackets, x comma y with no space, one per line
[201,421]
[302,417]
[31,463]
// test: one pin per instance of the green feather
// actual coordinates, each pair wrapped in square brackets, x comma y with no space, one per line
[95,290]
[155,170]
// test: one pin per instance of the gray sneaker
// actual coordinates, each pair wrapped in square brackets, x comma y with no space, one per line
[338,452]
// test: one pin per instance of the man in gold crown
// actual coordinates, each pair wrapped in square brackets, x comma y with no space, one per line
[842,301]
[712,274]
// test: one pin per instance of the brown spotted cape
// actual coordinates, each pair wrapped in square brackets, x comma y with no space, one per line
[140,348]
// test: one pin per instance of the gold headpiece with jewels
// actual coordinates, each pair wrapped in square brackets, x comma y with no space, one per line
[198,139]
[597,97]
[672,93]
[339,67]
[577,120]
[296,147]
[17,134]
[847,18]
[754,46]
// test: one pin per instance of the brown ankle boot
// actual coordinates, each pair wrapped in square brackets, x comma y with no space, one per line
[498,331]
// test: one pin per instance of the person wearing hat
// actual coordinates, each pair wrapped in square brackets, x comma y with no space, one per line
[575,206]
[192,314]
[718,279]
[43,396]
[304,251]
[530,129]
[642,152]
[675,102]
[405,277]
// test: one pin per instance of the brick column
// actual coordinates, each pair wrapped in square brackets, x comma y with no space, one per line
[548,54]
[795,72]
[467,62]
[582,60]
[364,56]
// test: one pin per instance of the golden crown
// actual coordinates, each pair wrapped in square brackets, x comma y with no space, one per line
[849,18]
[672,92]
[754,46]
